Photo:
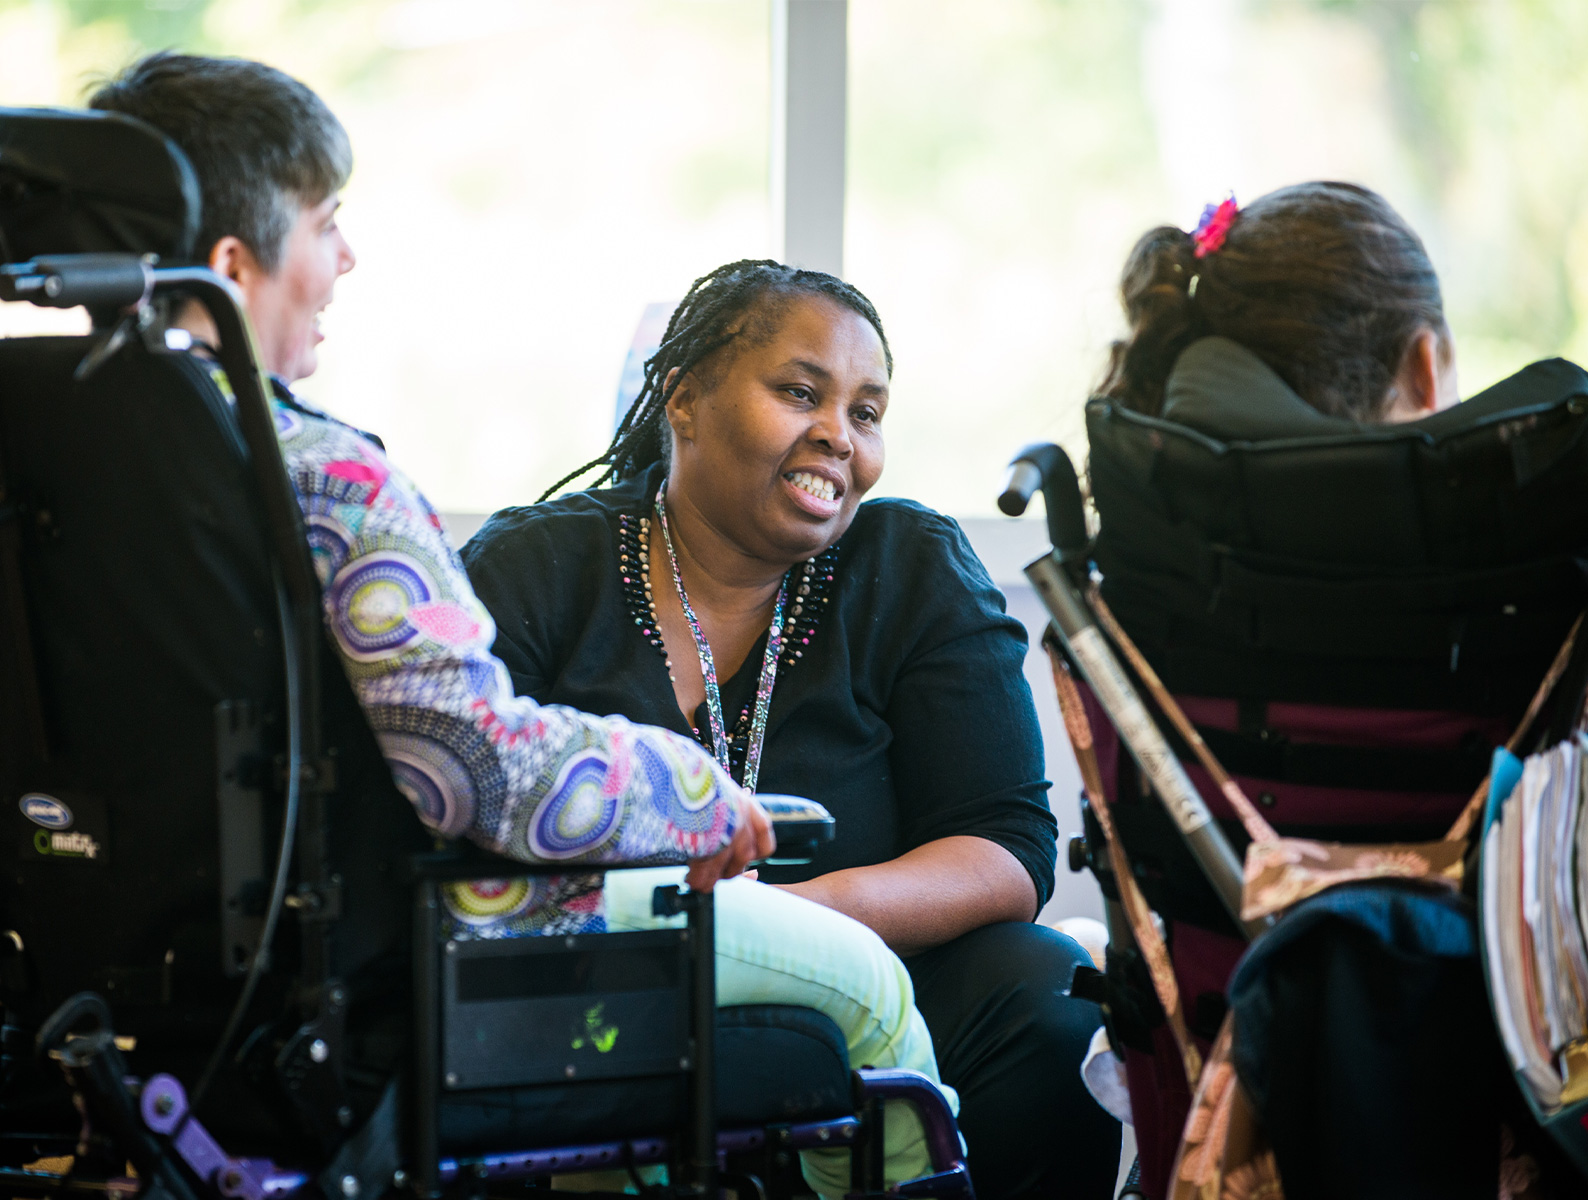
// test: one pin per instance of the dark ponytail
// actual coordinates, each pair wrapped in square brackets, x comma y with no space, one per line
[737,302]
[1163,318]
[1325,282]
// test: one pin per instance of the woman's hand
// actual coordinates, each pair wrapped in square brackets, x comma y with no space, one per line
[752,841]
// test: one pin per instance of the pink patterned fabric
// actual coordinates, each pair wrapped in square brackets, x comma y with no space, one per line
[544,783]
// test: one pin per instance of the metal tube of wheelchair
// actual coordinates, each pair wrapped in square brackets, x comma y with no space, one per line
[1120,933]
[427,1041]
[1114,691]
[702,1153]
[239,357]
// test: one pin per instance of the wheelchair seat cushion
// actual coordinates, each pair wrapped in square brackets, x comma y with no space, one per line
[775,1064]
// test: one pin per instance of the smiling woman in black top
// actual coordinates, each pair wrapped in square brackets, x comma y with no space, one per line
[891,690]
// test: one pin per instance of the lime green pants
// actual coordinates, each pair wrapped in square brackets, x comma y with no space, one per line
[774,947]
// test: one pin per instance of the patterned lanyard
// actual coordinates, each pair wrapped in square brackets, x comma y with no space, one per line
[708,665]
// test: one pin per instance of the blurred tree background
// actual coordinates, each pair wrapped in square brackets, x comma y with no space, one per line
[532,172]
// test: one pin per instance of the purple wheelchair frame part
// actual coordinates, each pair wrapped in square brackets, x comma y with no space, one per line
[164,1108]
[163,1105]
[937,1119]
[643,1151]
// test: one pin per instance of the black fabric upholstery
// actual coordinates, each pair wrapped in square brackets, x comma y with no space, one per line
[74,182]
[150,600]
[1367,1047]
[775,1063]
[150,597]
[1434,564]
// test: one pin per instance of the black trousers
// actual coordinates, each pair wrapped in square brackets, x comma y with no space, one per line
[1010,1041]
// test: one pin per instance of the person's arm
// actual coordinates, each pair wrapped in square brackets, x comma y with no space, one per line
[533,782]
[930,895]
[979,842]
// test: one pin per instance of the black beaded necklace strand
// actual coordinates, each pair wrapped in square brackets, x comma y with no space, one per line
[807,603]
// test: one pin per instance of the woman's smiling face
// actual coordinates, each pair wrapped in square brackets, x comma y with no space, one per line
[777,442]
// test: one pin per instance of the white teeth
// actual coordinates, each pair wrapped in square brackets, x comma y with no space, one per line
[821,488]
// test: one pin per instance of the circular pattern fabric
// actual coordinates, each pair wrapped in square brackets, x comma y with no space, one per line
[434,779]
[484,901]
[288,423]
[371,602]
[681,789]
[329,541]
[579,816]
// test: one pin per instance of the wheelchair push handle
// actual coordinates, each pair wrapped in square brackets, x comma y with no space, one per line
[1046,467]
[1060,581]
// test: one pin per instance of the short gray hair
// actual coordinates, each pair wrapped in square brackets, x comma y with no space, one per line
[263,144]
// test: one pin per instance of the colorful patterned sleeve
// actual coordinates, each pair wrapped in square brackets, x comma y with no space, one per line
[539,783]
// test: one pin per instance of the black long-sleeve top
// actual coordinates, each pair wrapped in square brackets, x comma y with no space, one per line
[900,702]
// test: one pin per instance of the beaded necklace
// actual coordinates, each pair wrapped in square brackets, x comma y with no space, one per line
[708,665]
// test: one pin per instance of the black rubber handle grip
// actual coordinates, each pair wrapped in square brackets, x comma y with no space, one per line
[1047,466]
[1026,471]
[70,280]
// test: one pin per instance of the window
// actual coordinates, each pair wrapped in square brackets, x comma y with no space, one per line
[1004,157]
[530,174]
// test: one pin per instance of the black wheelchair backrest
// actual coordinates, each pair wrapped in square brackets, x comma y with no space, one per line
[1431,564]
[141,646]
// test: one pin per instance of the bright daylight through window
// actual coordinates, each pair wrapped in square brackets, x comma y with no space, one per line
[531,174]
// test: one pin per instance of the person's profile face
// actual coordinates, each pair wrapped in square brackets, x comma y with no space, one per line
[779,451]
[285,304]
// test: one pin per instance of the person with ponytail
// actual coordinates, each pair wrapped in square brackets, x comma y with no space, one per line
[727,582]
[1344,582]
[1324,283]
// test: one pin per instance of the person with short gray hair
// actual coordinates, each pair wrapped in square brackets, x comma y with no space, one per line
[262,144]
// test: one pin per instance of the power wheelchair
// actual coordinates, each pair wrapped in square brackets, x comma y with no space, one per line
[1339,624]
[224,960]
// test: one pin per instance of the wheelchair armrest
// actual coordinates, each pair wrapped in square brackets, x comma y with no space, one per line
[457,861]
[801,827]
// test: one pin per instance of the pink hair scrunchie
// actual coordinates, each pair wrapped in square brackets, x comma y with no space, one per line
[1214,227]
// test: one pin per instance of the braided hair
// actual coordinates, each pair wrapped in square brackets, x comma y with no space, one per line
[737,302]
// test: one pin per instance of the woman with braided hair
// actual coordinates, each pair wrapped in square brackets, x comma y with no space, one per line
[729,584]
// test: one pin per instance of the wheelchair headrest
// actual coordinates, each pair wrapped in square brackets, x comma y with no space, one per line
[1220,388]
[1242,461]
[78,182]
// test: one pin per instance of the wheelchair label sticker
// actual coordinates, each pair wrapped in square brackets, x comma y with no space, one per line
[60,831]
[46,811]
[66,845]
[595,1032]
